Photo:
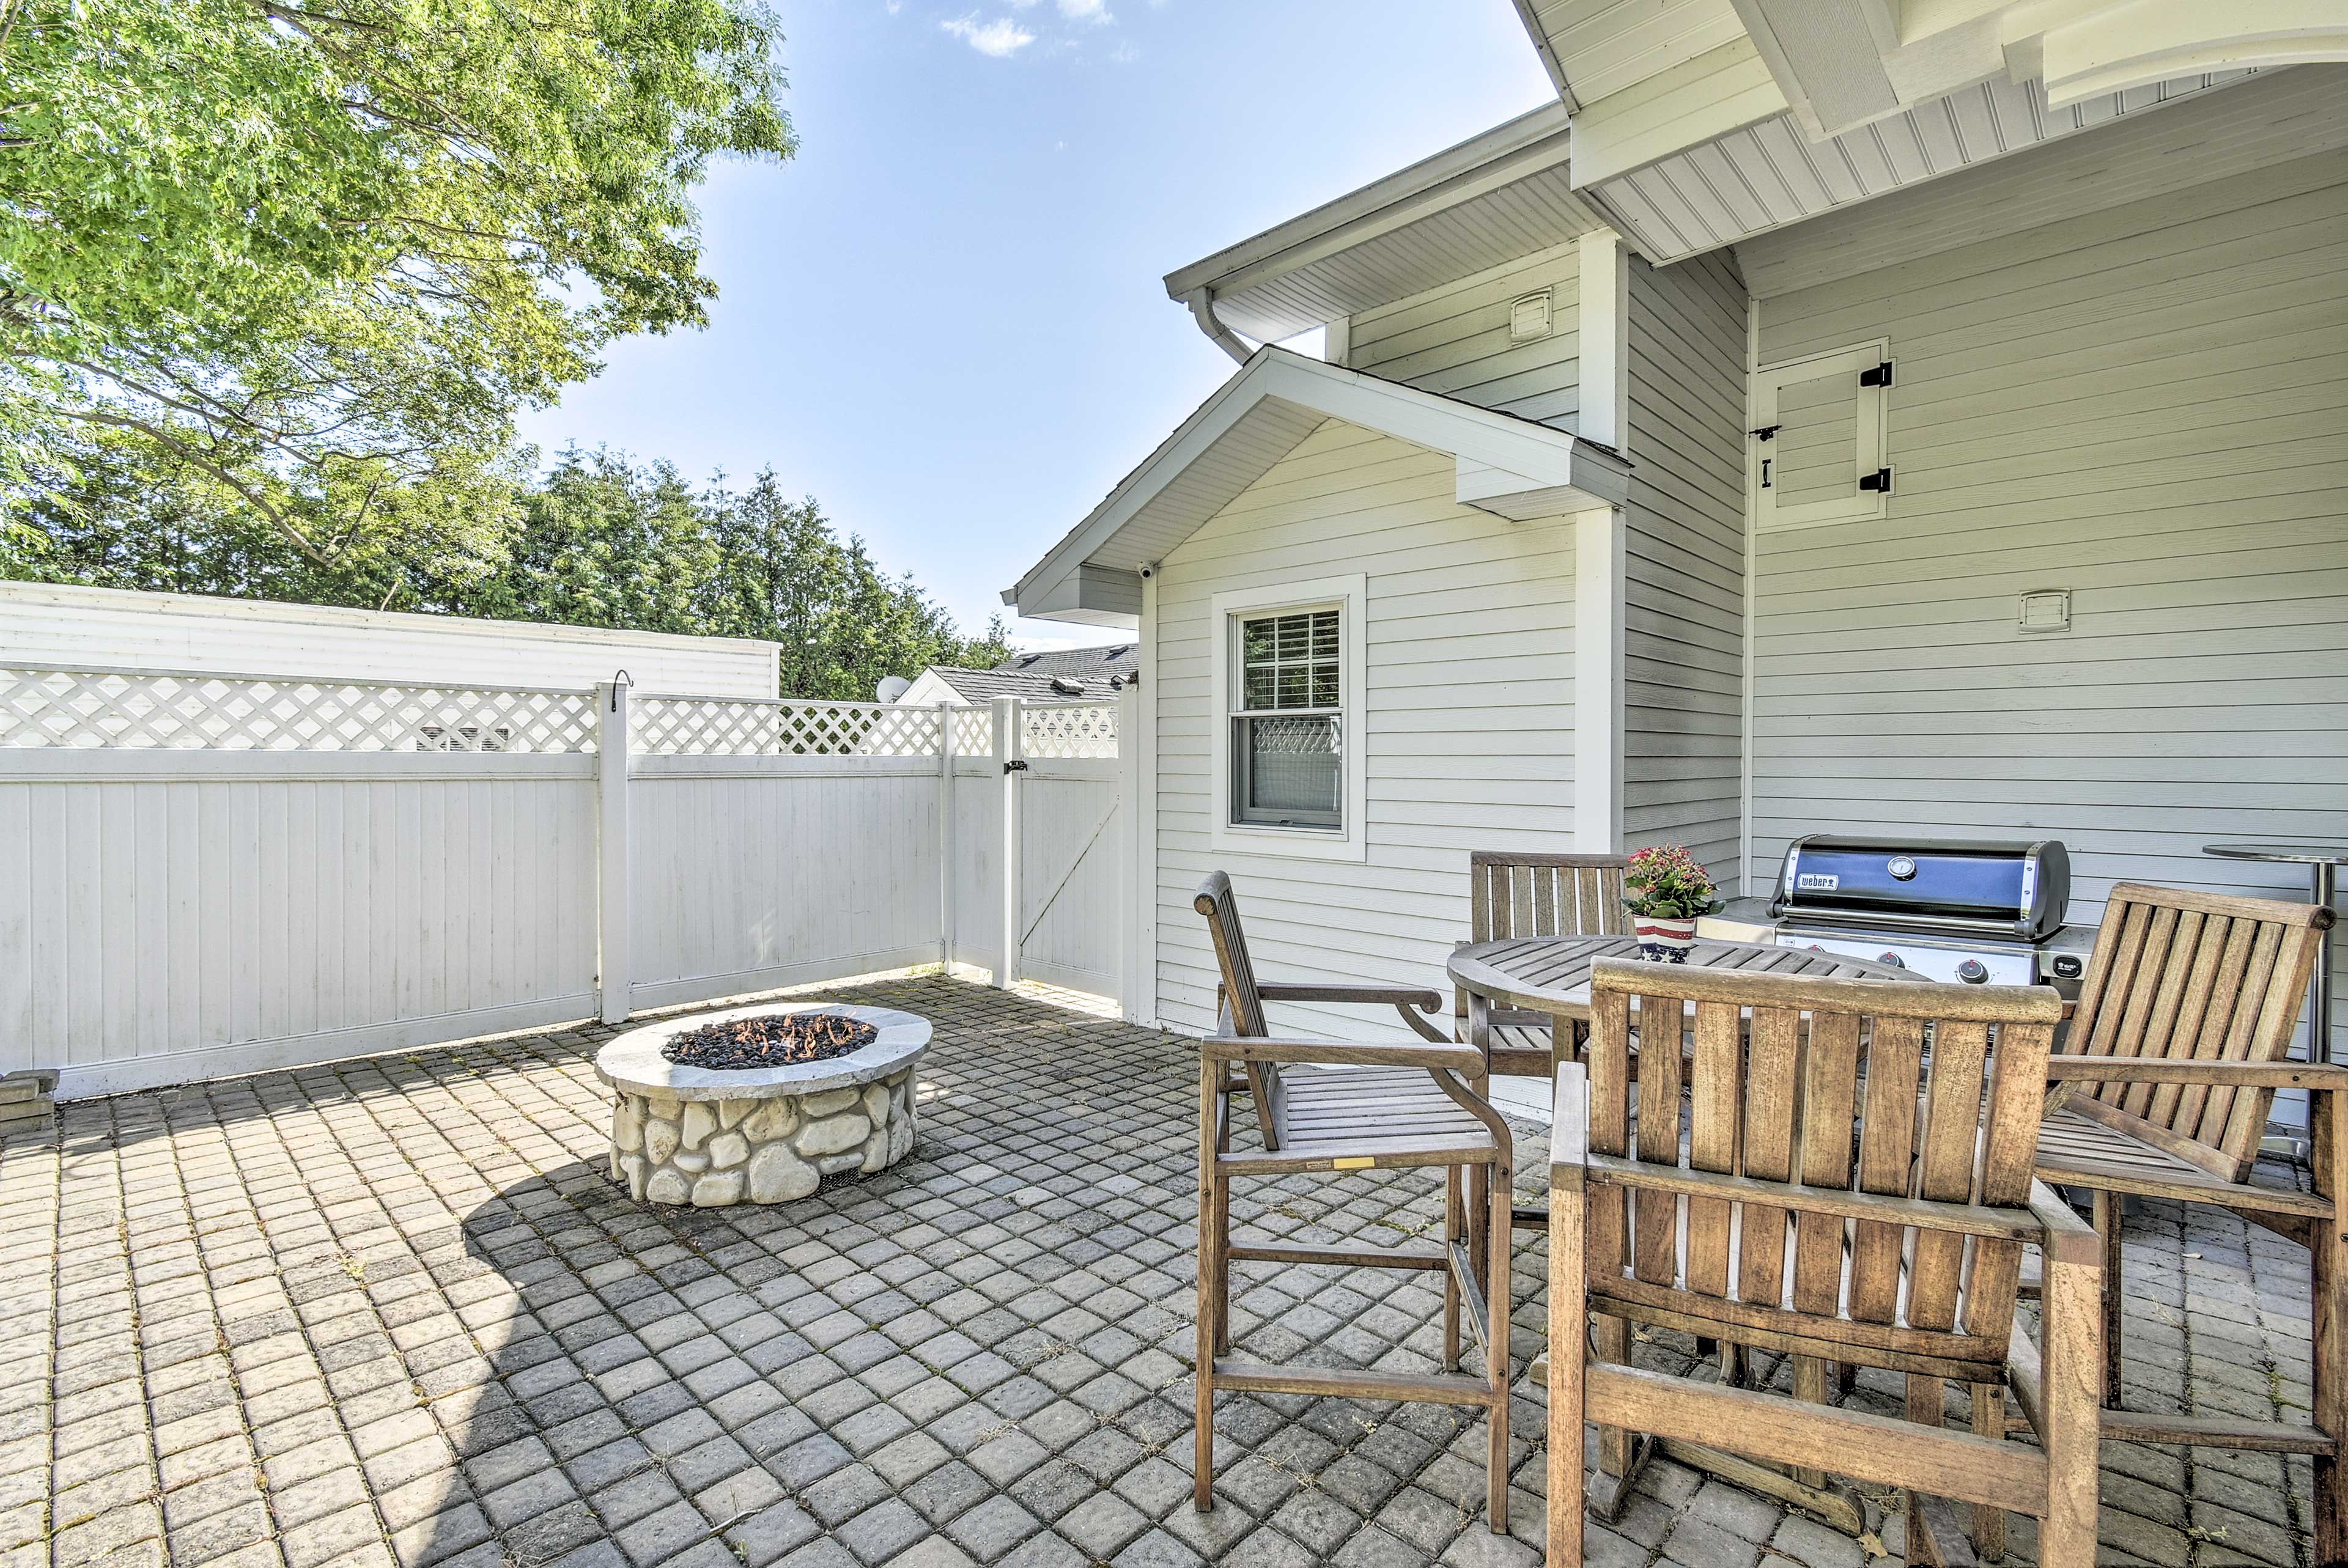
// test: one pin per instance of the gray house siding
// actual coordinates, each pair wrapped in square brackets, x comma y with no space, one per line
[1455,340]
[1684,580]
[1468,715]
[2143,407]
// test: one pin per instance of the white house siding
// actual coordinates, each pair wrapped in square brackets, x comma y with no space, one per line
[1455,340]
[1685,579]
[1469,711]
[41,623]
[2143,407]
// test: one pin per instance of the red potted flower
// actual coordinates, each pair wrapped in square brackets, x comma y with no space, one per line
[1666,890]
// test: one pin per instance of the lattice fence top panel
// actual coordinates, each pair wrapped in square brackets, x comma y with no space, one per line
[726,727]
[139,708]
[974,731]
[1069,729]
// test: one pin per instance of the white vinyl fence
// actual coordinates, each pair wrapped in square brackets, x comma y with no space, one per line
[203,875]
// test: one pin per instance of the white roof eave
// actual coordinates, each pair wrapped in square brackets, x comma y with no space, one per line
[1514,468]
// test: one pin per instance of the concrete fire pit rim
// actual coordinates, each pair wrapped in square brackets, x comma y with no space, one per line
[633,1062]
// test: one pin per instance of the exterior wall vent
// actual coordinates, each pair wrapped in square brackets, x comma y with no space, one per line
[1529,318]
[2046,609]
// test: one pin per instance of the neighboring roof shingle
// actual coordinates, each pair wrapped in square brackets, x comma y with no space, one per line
[1063,676]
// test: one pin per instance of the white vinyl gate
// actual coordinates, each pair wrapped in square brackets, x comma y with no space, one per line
[206,874]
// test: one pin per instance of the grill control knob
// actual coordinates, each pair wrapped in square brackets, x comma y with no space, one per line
[1894,959]
[1974,972]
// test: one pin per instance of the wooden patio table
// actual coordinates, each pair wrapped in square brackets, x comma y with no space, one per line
[1551,975]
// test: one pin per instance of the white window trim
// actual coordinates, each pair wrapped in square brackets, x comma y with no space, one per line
[1349,595]
[1871,437]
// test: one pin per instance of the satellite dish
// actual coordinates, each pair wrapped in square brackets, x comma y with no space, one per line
[892,687]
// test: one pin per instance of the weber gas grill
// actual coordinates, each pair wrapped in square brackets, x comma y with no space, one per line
[1980,912]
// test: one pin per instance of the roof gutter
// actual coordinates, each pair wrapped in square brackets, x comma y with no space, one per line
[1203,311]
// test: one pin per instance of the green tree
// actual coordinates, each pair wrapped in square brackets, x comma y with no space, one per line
[313,255]
[843,623]
[602,543]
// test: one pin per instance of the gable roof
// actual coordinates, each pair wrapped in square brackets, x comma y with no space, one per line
[1515,467]
[1063,675]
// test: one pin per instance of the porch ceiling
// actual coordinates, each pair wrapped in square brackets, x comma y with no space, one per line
[1511,466]
[1767,175]
[1698,123]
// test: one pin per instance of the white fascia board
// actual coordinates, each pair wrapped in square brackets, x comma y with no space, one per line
[2149,41]
[1533,457]
[1509,152]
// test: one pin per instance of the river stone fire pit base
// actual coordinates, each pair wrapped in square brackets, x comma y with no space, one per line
[712,1137]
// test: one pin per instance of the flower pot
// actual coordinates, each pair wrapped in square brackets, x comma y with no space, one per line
[1663,939]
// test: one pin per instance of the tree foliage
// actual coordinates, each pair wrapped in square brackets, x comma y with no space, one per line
[313,255]
[599,541]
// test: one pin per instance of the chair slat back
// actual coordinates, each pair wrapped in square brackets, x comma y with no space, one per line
[1242,1003]
[1216,901]
[1521,895]
[1800,1083]
[2186,975]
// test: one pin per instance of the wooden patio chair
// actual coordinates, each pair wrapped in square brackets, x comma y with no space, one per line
[1512,893]
[1839,1194]
[1322,1109]
[2162,1089]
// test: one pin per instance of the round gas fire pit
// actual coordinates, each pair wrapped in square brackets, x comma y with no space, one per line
[769,1125]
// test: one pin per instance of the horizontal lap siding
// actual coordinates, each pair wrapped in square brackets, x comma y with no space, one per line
[1469,711]
[2143,407]
[1455,340]
[1684,580]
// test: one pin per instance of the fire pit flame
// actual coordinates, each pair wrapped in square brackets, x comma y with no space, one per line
[744,1044]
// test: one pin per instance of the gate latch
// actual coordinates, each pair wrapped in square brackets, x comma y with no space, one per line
[1015,765]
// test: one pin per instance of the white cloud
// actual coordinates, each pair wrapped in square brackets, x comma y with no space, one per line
[999,39]
[1126,53]
[1086,10]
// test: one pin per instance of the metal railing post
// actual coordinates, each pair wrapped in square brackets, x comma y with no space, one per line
[612,849]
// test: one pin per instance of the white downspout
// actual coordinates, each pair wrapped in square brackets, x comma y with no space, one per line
[1203,311]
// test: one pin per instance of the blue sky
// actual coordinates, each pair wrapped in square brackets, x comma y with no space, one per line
[944,318]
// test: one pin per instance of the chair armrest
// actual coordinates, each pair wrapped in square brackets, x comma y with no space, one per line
[2064,1236]
[1568,1128]
[2236,1074]
[1380,996]
[1463,1059]
[1414,1002]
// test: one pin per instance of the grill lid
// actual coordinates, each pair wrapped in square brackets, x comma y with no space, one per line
[2003,887]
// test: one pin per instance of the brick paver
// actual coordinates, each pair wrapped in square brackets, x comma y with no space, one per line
[395,1312]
